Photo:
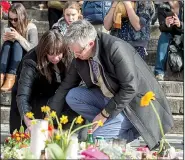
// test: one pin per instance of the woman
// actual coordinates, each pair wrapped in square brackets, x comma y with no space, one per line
[39,75]
[135,28]
[72,13]
[170,15]
[22,37]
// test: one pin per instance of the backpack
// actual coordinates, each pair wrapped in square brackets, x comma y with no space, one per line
[176,53]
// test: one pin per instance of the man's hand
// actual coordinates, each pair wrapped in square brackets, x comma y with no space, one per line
[127,3]
[176,21]
[97,118]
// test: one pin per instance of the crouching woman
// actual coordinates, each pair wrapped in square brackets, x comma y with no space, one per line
[39,75]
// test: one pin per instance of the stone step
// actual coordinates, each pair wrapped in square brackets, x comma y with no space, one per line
[177,130]
[176,104]
[39,15]
[179,77]
[170,88]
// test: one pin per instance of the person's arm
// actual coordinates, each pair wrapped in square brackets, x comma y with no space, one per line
[71,80]
[32,40]
[127,78]
[133,18]
[26,81]
[144,15]
[108,20]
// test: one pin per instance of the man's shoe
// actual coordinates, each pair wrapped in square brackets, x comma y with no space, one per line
[160,77]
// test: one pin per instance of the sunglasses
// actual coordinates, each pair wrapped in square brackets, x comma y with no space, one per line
[13,19]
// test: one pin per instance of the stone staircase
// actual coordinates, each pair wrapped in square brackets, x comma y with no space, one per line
[172,89]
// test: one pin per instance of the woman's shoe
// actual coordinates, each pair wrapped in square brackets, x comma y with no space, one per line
[2,79]
[9,82]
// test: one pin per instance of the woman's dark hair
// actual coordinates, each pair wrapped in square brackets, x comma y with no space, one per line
[51,43]
[22,18]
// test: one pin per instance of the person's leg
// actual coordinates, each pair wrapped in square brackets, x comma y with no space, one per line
[89,103]
[13,62]
[15,58]
[4,56]
[15,118]
[161,56]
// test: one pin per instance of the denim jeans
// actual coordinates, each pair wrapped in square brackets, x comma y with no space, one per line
[161,56]
[89,103]
[10,57]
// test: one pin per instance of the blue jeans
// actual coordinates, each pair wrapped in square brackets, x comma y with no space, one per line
[10,57]
[89,103]
[161,56]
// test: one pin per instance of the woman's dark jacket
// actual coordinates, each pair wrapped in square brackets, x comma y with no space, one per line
[32,87]
[165,11]
[128,78]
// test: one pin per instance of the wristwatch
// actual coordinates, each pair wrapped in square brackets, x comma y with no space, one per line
[105,114]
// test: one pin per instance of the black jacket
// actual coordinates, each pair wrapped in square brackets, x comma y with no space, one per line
[32,87]
[128,77]
[165,11]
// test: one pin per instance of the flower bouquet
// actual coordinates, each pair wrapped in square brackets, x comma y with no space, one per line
[14,145]
[60,143]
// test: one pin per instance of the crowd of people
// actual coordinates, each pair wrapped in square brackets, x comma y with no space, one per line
[91,62]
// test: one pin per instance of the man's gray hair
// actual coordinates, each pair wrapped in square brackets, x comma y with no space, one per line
[81,32]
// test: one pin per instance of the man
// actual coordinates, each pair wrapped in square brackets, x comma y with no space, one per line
[116,78]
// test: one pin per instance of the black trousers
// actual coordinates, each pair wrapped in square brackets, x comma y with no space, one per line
[53,16]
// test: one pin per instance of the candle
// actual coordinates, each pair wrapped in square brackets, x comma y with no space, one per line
[39,134]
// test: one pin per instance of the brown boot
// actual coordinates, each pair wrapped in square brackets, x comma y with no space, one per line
[9,82]
[2,78]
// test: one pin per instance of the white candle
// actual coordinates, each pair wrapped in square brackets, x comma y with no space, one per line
[39,134]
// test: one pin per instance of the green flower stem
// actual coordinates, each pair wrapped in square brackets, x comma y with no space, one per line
[160,126]
[69,133]
[158,118]
[60,128]
[87,125]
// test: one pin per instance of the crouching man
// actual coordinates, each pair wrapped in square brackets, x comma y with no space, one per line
[116,78]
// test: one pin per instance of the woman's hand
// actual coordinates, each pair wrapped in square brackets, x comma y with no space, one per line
[7,37]
[169,21]
[176,21]
[13,35]
[27,121]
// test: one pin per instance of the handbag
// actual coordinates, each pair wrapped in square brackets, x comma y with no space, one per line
[176,54]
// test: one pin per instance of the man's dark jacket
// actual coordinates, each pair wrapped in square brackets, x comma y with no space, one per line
[128,77]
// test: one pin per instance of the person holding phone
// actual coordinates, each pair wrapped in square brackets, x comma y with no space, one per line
[21,36]
[170,15]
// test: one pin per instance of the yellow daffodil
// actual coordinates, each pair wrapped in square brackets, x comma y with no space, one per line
[33,122]
[64,119]
[145,100]
[79,120]
[100,123]
[30,115]
[53,114]
[45,109]
[57,137]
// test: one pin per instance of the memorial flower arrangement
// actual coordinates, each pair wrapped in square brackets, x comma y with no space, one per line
[59,139]
[13,145]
